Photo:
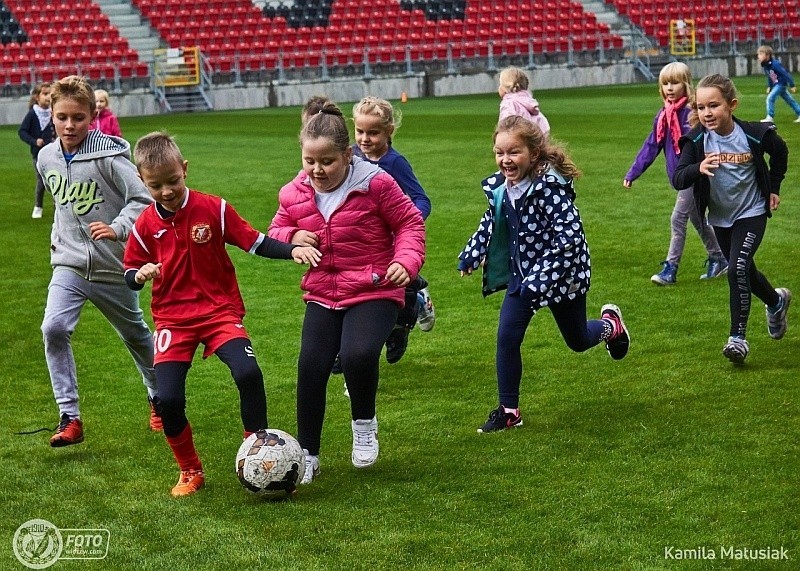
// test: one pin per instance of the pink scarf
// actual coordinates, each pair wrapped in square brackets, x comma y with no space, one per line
[668,120]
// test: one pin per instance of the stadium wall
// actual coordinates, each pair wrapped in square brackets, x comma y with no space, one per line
[225,97]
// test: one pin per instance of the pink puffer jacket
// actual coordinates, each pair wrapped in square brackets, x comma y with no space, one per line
[376,225]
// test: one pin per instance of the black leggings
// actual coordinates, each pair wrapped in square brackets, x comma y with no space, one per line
[739,244]
[238,355]
[357,334]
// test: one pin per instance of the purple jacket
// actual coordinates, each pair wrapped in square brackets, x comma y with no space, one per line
[650,148]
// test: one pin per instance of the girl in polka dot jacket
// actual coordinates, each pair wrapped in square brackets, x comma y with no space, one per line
[530,242]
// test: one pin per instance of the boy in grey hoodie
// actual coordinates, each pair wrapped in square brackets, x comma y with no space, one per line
[98,196]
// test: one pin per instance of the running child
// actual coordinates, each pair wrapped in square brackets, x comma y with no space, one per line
[376,121]
[372,240]
[672,121]
[98,196]
[531,243]
[179,244]
[723,158]
[779,83]
[105,121]
[37,130]
[515,99]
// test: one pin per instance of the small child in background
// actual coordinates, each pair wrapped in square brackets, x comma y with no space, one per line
[723,159]
[530,242]
[37,130]
[179,243]
[98,196]
[376,121]
[105,121]
[372,240]
[672,121]
[515,99]
[779,82]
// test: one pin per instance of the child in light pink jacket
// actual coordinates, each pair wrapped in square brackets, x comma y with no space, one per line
[515,99]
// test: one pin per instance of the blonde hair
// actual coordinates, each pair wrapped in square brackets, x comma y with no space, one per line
[76,88]
[328,123]
[676,72]
[381,108]
[103,93]
[156,149]
[549,153]
[767,50]
[513,79]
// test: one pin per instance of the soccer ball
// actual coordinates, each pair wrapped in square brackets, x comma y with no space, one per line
[270,462]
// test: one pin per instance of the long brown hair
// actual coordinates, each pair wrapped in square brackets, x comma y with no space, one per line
[550,153]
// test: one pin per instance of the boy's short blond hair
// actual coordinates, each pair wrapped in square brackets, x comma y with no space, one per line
[73,87]
[156,149]
[766,50]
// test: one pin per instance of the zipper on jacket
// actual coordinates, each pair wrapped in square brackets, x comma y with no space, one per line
[87,240]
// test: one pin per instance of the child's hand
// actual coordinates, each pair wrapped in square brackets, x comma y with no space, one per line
[469,270]
[305,238]
[398,275]
[793,89]
[306,255]
[709,164]
[627,183]
[774,201]
[39,142]
[148,272]
[102,231]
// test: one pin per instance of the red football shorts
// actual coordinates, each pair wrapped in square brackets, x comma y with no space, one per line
[179,343]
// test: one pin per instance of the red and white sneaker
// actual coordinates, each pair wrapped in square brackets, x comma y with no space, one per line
[69,431]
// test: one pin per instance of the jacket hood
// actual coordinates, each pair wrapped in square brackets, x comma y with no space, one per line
[98,145]
[525,99]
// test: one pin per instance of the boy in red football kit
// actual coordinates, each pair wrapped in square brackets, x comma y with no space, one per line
[179,243]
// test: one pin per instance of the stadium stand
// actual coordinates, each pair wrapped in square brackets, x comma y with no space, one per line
[243,40]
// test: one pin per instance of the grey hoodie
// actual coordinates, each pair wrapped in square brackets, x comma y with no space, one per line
[99,184]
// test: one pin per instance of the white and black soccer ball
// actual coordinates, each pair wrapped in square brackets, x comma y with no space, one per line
[270,462]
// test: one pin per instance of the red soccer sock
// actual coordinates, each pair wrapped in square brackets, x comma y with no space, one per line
[184,451]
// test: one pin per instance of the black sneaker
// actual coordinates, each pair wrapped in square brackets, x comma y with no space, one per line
[499,419]
[617,345]
[337,366]
[397,343]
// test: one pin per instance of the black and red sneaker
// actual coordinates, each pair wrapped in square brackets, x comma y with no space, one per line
[69,431]
[620,340]
[501,419]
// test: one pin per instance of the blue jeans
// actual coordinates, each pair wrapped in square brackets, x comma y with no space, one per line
[781,90]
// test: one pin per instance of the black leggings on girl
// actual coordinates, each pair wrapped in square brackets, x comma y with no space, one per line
[357,334]
[515,315]
[739,244]
[238,355]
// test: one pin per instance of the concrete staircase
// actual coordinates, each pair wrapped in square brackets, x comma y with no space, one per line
[132,27]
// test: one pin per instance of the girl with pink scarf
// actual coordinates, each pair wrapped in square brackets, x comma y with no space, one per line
[672,121]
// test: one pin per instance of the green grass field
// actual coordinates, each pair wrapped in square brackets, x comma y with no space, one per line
[673,448]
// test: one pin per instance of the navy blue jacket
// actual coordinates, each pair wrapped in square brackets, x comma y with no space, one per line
[30,130]
[761,137]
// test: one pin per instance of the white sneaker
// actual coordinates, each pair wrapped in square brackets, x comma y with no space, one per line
[346,392]
[797,120]
[312,468]
[736,350]
[427,315]
[776,321]
[768,119]
[37,212]
[365,442]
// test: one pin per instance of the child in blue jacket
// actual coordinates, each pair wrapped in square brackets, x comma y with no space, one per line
[778,80]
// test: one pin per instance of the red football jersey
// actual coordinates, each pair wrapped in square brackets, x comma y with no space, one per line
[198,280]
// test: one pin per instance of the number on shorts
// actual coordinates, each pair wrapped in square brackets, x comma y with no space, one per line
[161,340]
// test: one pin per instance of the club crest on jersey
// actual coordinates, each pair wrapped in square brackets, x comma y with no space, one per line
[201,233]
